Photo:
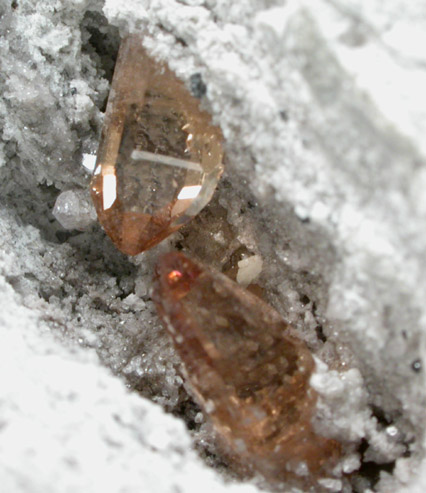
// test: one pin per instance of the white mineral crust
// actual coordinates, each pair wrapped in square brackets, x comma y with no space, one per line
[322,106]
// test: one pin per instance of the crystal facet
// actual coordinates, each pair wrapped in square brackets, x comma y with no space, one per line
[247,370]
[159,158]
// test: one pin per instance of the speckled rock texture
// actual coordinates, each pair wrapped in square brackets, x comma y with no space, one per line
[322,106]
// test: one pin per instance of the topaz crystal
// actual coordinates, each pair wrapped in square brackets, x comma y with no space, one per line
[159,157]
[248,371]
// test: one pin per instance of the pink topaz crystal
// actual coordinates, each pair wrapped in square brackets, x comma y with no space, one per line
[159,158]
[246,370]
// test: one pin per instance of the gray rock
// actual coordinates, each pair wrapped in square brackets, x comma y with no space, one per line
[321,104]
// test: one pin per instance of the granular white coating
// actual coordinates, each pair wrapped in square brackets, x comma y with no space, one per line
[322,106]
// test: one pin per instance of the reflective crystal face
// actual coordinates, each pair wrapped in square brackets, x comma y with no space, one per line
[246,370]
[159,158]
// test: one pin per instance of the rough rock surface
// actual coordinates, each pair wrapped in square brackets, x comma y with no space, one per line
[321,103]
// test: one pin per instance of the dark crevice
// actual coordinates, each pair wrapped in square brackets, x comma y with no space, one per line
[102,42]
[320,333]
[33,206]
[416,365]
[380,415]
[304,299]
[187,410]
[319,330]
[371,472]
[197,85]
[63,236]
[368,475]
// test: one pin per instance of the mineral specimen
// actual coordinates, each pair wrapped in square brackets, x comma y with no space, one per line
[159,158]
[247,370]
[74,210]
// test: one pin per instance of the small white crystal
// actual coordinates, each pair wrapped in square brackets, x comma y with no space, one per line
[88,162]
[133,302]
[74,210]
[392,431]
[331,484]
[301,469]
[249,269]
[141,288]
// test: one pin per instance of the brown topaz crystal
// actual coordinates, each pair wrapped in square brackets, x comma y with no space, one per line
[159,158]
[247,371]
